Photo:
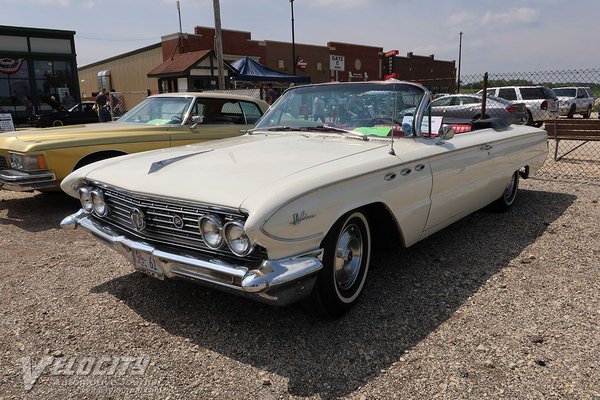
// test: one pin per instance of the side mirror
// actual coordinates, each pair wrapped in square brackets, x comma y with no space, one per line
[446,132]
[197,120]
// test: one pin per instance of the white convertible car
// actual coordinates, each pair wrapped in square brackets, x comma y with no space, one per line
[293,209]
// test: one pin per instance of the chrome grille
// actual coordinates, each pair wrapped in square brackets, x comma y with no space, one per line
[3,163]
[159,216]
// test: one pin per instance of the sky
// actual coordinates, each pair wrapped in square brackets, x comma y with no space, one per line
[498,36]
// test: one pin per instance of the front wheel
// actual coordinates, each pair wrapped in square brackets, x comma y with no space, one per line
[57,122]
[347,251]
[508,196]
[588,112]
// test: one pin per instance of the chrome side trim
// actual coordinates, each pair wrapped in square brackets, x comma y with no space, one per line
[278,282]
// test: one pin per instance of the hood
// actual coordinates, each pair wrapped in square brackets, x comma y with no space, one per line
[54,104]
[225,172]
[81,135]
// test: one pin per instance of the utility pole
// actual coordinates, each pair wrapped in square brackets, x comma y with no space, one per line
[219,44]
[179,12]
[293,41]
[459,57]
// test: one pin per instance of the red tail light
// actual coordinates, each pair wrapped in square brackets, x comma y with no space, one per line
[544,105]
[461,128]
[511,109]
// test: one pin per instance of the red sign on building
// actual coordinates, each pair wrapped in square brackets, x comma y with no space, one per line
[301,63]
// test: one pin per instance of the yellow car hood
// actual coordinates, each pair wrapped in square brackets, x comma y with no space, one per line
[82,135]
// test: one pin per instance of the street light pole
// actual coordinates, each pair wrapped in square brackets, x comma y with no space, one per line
[293,41]
[459,59]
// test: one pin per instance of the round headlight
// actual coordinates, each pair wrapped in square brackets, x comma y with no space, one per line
[98,203]
[236,238]
[85,196]
[211,229]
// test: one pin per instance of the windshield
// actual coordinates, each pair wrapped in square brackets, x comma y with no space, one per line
[565,92]
[371,109]
[159,111]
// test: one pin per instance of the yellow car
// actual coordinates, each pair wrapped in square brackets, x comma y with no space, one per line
[39,159]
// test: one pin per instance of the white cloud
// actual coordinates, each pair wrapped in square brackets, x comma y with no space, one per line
[88,5]
[461,19]
[512,16]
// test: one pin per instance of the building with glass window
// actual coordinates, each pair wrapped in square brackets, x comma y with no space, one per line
[37,68]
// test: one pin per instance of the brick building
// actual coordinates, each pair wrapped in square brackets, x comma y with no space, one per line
[333,61]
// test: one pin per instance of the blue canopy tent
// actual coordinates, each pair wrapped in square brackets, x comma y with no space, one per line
[252,71]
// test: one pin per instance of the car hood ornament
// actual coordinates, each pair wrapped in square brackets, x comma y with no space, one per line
[158,165]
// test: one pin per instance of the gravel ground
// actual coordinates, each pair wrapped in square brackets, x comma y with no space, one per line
[494,306]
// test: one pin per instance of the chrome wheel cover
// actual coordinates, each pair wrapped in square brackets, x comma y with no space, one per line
[349,253]
[511,189]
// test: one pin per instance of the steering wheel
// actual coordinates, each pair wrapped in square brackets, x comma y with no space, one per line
[176,118]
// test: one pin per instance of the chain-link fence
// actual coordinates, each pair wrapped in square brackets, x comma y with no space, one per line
[565,103]
[121,102]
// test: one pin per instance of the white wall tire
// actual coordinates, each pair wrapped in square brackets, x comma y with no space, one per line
[346,258]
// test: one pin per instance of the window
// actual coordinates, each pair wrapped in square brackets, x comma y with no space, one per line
[50,76]
[468,100]
[281,64]
[508,94]
[532,93]
[319,66]
[442,101]
[15,91]
[251,111]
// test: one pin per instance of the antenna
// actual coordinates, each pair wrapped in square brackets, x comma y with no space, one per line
[392,152]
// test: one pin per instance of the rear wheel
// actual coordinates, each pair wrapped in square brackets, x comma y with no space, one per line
[529,119]
[347,251]
[508,196]
[57,122]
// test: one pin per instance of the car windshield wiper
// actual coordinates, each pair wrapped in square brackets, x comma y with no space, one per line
[327,128]
[318,128]
[273,128]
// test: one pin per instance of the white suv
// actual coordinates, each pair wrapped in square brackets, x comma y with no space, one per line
[575,100]
[541,102]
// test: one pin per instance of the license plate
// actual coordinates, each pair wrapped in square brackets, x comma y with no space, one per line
[147,263]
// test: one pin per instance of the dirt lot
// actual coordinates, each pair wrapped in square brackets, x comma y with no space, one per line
[496,306]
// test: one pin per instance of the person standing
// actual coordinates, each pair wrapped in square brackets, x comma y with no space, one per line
[68,101]
[318,110]
[101,106]
[271,94]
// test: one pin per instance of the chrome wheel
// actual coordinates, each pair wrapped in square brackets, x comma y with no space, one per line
[510,191]
[508,196]
[347,249]
[348,257]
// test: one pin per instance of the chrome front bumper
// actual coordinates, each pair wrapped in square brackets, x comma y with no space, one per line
[20,181]
[278,282]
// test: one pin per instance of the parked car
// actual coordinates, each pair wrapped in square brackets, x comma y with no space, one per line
[40,159]
[541,101]
[468,106]
[575,100]
[81,113]
[294,208]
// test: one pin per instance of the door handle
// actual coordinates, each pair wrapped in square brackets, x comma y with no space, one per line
[485,147]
